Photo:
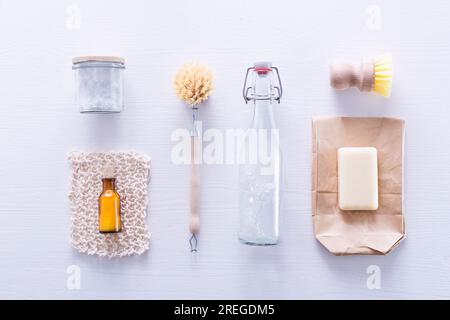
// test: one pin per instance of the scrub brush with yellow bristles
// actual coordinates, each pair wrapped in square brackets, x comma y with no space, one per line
[193,85]
[368,75]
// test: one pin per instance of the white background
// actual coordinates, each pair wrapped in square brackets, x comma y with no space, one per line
[40,124]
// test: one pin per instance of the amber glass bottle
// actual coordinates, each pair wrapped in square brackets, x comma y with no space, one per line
[109,208]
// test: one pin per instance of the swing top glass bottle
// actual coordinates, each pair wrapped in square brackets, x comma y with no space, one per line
[260,159]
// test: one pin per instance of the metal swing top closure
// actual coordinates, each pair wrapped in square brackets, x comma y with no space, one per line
[262,68]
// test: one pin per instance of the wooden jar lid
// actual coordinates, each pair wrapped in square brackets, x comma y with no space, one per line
[98,58]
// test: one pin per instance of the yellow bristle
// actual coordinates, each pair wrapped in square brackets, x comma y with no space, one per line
[383,75]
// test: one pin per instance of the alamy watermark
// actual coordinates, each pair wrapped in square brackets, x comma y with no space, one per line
[73,281]
[232,146]
[373,281]
[73,17]
[373,17]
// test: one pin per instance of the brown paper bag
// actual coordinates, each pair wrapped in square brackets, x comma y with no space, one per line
[358,232]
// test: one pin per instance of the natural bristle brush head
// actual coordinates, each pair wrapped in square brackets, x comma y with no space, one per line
[368,75]
[194,83]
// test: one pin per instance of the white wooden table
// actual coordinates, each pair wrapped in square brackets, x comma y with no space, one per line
[40,124]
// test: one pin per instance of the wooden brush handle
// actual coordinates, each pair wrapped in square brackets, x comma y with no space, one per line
[194,223]
[344,75]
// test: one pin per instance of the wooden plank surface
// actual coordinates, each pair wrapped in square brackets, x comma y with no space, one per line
[40,124]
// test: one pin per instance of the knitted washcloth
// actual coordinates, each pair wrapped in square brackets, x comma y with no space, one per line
[132,176]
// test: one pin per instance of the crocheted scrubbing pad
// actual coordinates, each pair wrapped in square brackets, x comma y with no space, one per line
[132,179]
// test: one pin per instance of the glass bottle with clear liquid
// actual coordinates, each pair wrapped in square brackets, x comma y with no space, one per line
[260,160]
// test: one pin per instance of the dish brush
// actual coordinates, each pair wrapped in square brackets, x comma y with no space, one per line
[368,75]
[194,83]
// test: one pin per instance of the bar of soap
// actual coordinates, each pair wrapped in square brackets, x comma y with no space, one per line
[358,178]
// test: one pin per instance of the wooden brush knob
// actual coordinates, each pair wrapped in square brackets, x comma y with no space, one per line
[344,75]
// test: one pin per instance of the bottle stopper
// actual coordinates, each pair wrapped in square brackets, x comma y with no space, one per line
[108,172]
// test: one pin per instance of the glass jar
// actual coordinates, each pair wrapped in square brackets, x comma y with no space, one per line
[99,83]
